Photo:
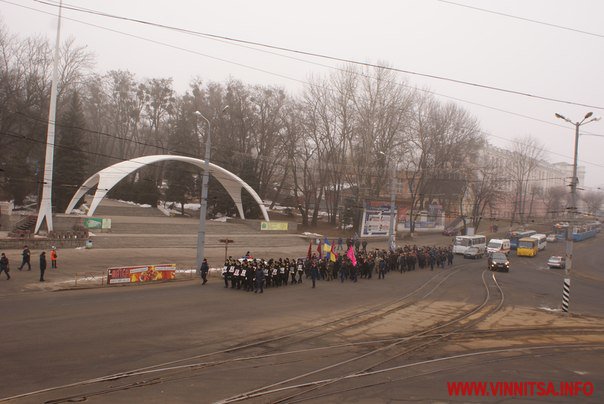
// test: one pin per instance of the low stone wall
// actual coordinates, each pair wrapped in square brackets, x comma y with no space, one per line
[40,243]
[64,235]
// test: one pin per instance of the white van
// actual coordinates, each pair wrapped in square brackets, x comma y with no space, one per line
[498,245]
[541,241]
[462,243]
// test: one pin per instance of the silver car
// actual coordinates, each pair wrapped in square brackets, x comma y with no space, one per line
[556,261]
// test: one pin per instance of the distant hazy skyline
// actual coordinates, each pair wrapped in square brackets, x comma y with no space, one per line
[425,36]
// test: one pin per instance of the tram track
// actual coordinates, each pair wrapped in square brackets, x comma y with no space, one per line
[425,339]
[493,356]
[353,319]
[455,325]
[462,326]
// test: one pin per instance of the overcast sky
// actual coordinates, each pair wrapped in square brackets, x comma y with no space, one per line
[425,36]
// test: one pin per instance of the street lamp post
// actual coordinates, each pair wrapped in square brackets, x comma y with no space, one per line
[392,229]
[201,233]
[572,210]
[392,241]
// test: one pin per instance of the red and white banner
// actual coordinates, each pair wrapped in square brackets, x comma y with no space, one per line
[141,273]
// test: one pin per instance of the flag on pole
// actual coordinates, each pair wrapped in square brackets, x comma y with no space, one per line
[319,248]
[309,254]
[350,254]
[328,250]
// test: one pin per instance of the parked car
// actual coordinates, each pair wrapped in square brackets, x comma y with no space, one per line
[556,261]
[498,261]
[551,238]
[450,232]
[474,253]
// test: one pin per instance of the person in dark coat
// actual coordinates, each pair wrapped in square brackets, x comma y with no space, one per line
[42,265]
[204,271]
[4,266]
[259,279]
[314,272]
[26,258]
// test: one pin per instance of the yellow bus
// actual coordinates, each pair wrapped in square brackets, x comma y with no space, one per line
[527,247]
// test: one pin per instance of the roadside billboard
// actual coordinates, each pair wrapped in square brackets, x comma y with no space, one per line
[283,226]
[376,221]
[141,273]
[97,223]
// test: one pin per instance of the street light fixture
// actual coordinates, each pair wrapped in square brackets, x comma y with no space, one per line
[203,209]
[572,209]
[201,233]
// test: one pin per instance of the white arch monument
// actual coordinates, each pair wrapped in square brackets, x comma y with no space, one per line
[110,176]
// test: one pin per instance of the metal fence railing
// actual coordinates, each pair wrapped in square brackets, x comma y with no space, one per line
[90,278]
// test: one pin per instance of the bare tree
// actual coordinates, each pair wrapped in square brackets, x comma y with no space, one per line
[267,136]
[593,200]
[75,65]
[125,105]
[484,189]
[445,139]
[554,199]
[159,100]
[524,158]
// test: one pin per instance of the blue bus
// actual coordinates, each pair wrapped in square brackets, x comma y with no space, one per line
[580,232]
[514,236]
[560,230]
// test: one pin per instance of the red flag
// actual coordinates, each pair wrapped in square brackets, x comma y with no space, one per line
[309,254]
[350,254]
[319,249]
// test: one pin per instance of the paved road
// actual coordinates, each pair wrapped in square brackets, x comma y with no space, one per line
[53,338]
[57,338]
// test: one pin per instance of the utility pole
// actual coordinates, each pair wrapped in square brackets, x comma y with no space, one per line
[201,232]
[392,229]
[392,241]
[573,212]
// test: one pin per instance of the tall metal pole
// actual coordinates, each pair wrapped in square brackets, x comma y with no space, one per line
[392,241]
[201,233]
[569,230]
[573,212]
[45,209]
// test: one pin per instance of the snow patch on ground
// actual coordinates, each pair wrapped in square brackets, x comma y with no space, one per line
[140,205]
[222,219]
[549,309]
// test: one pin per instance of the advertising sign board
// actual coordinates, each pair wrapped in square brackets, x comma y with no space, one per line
[274,226]
[141,273]
[97,223]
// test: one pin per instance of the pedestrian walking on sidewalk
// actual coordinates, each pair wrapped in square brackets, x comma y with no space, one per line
[204,271]
[4,266]
[26,258]
[53,257]
[42,265]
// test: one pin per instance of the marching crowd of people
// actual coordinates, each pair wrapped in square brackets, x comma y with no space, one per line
[256,274]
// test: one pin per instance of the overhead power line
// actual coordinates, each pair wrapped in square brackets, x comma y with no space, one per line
[484,10]
[297,59]
[322,56]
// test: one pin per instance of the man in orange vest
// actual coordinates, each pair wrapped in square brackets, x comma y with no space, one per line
[53,257]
